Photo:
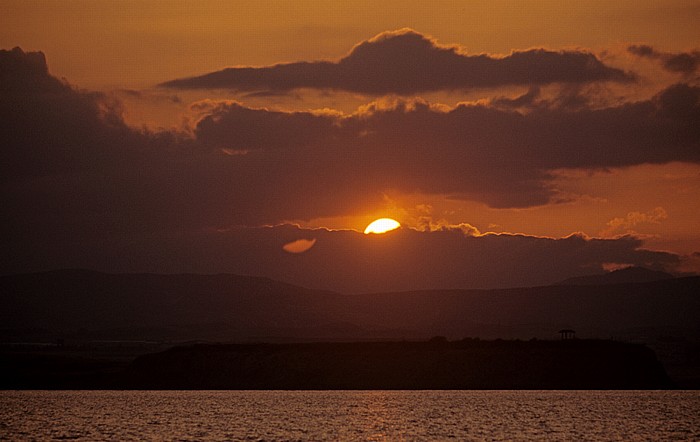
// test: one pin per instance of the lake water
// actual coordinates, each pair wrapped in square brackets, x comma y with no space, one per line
[350,415]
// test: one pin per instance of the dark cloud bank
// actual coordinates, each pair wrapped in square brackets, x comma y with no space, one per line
[81,189]
[406,62]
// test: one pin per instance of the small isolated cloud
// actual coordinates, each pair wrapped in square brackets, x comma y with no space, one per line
[626,225]
[428,224]
[407,62]
[680,62]
[299,246]
[613,266]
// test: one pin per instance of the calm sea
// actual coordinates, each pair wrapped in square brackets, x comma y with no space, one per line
[350,415]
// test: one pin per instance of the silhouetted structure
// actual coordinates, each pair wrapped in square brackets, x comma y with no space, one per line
[567,334]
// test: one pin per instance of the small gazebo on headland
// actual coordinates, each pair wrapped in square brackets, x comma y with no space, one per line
[567,334]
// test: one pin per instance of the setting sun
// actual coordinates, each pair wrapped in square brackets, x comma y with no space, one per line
[208,183]
[382,225]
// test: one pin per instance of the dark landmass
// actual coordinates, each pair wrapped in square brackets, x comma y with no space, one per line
[86,311]
[621,276]
[85,306]
[403,365]
[435,364]
[49,369]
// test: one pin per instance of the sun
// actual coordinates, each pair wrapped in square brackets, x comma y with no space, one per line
[382,225]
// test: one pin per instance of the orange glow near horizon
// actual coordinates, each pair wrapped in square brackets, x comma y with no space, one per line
[382,225]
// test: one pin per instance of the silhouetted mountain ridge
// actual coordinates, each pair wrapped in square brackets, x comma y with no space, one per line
[621,276]
[223,307]
[88,299]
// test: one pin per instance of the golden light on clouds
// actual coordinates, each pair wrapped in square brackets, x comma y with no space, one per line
[382,225]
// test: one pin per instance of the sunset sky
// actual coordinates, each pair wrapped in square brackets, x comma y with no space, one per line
[518,143]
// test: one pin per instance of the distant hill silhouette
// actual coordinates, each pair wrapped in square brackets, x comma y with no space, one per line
[154,305]
[621,276]
[87,305]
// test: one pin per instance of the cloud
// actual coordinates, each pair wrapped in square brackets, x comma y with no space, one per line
[79,188]
[528,99]
[299,245]
[625,225]
[351,262]
[680,62]
[406,62]
[20,71]
[248,166]
[475,152]
[689,264]
[406,259]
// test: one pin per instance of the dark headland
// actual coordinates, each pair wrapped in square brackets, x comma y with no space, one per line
[433,364]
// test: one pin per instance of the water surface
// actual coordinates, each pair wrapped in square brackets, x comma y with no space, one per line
[350,415]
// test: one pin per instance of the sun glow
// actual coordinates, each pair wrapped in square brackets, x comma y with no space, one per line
[382,225]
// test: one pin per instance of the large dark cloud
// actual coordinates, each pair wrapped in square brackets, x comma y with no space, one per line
[252,166]
[477,152]
[347,261]
[406,259]
[406,62]
[679,62]
[79,188]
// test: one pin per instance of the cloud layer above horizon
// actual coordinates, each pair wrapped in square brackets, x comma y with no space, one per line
[81,188]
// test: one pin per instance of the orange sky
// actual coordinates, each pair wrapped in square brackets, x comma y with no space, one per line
[125,49]
[132,43]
